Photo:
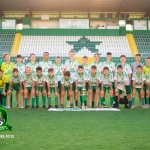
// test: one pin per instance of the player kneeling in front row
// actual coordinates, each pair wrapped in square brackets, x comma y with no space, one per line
[80,83]
[93,86]
[66,83]
[39,79]
[14,84]
[29,87]
[138,85]
[52,87]
[120,81]
[106,80]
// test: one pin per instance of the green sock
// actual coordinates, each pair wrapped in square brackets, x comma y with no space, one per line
[4,102]
[111,101]
[11,100]
[49,101]
[56,100]
[44,100]
[71,104]
[143,102]
[147,100]
[68,98]
[133,99]
[37,100]
[25,101]
[33,100]
[101,100]
[62,105]
[130,102]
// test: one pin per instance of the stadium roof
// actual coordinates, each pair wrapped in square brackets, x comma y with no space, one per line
[76,5]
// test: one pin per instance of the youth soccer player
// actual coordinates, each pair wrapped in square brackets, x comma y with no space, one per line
[58,67]
[87,70]
[39,79]
[32,64]
[7,68]
[120,82]
[81,78]
[2,89]
[19,65]
[29,87]
[66,84]
[106,80]
[138,85]
[51,80]
[14,84]
[127,69]
[93,86]
[71,65]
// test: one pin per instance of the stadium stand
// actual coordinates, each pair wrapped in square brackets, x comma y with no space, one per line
[6,41]
[143,42]
[60,45]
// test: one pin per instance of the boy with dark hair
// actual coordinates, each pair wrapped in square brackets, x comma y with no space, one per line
[106,80]
[14,84]
[66,83]
[52,87]
[138,85]
[39,79]
[93,86]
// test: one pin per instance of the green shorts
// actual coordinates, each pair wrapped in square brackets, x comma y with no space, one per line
[40,88]
[87,86]
[1,90]
[113,85]
[16,87]
[7,87]
[80,89]
[94,88]
[52,89]
[106,89]
[120,91]
[29,89]
[138,90]
[128,89]
[59,85]
[67,88]
[73,86]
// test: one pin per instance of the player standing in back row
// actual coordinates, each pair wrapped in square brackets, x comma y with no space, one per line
[71,65]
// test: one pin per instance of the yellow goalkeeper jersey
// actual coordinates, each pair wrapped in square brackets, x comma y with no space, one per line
[7,70]
[146,70]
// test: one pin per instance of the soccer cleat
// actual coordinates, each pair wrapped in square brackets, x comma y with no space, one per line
[132,106]
[44,107]
[36,107]
[126,106]
[56,106]
[147,106]
[22,107]
[32,107]
[26,107]
[8,107]
[143,106]
[82,107]
[49,106]
[17,106]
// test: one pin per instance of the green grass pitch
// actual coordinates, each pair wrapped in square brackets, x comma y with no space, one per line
[43,130]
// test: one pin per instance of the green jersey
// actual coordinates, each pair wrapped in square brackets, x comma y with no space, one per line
[72,67]
[66,82]
[40,79]
[86,68]
[51,80]
[21,68]
[15,79]
[81,79]
[45,66]
[27,79]
[110,65]
[32,66]
[127,70]
[58,70]
[106,80]
[120,78]
[99,66]
[138,79]
[93,78]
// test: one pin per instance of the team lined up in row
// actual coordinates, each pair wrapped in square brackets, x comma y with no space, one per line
[97,78]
